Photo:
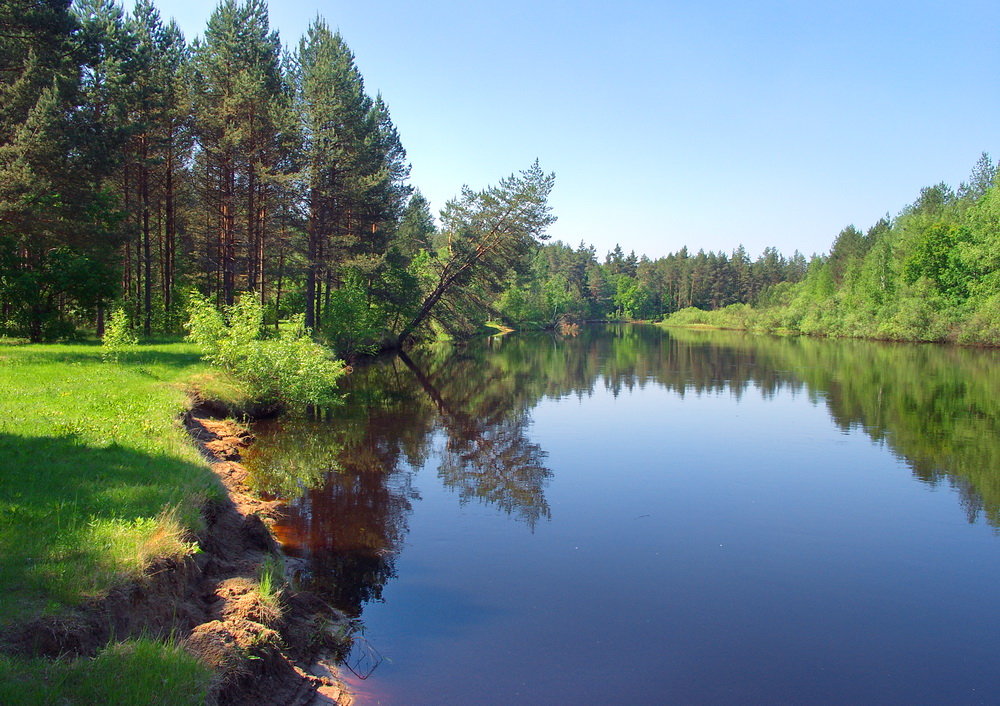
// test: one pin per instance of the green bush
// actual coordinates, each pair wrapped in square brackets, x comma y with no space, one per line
[916,315]
[290,370]
[688,316]
[983,324]
[119,337]
[354,323]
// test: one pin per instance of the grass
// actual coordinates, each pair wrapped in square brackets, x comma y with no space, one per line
[97,477]
[270,579]
[134,672]
[221,387]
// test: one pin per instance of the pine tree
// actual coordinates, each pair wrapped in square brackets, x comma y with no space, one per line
[486,235]
[416,227]
[240,98]
[56,225]
[355,168]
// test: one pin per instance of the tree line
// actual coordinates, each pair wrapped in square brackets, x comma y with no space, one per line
[932,273]
[138,169]
[572,282]
[135,163]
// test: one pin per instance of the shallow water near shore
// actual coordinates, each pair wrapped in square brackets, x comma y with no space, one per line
[634,515]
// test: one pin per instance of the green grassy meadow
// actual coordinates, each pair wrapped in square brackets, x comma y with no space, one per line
[97,477]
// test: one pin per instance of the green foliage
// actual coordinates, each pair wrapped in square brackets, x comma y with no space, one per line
[629,299]
[916,314]
[134,164]
[566,280]
[353,322]
[487,235]
[119,337]
[270,581]
[354,167]
[734,316]
[983,322]
[938,257]
[58,225]
[289,370]
[416,228]
[932,274]
[516,304]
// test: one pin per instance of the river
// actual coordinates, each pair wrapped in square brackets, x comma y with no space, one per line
[640,516]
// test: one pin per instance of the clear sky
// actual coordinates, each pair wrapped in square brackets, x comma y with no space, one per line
[705,123]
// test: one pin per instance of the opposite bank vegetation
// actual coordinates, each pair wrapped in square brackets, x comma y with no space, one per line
[930,274]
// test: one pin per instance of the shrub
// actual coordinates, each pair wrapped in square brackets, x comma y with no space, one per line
[119,337]
[915,315]
[688,316]
[355,324]
[983,324]
[289,370]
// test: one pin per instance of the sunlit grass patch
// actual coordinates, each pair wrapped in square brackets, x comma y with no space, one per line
[270,580]
[220,386]
[97,476]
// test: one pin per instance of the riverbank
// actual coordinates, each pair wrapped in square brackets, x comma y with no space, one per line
[266,642]
[129,574]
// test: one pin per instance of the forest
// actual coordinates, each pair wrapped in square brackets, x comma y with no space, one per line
[141,173]
[139,170]
[567,283]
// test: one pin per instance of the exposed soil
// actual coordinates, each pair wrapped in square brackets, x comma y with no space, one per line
[263,652]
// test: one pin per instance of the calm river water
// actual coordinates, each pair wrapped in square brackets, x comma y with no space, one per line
[636,516]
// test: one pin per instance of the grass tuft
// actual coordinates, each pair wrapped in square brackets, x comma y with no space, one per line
[270,580]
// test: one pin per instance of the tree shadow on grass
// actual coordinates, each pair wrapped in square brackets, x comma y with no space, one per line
[74,518]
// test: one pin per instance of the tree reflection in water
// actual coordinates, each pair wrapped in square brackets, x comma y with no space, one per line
[348,472]
[488,455]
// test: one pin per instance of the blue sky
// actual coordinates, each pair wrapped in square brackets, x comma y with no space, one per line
[706,124]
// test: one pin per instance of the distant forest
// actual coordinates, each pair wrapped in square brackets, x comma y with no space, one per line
[138,169]
[576,284]
[932,273]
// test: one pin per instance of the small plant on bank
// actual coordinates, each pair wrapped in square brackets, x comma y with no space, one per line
[270,579]
[119,337]
[290,369]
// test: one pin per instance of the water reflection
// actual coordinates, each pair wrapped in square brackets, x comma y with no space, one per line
[935,407]
[350,474]
[488,455]
[346,473]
